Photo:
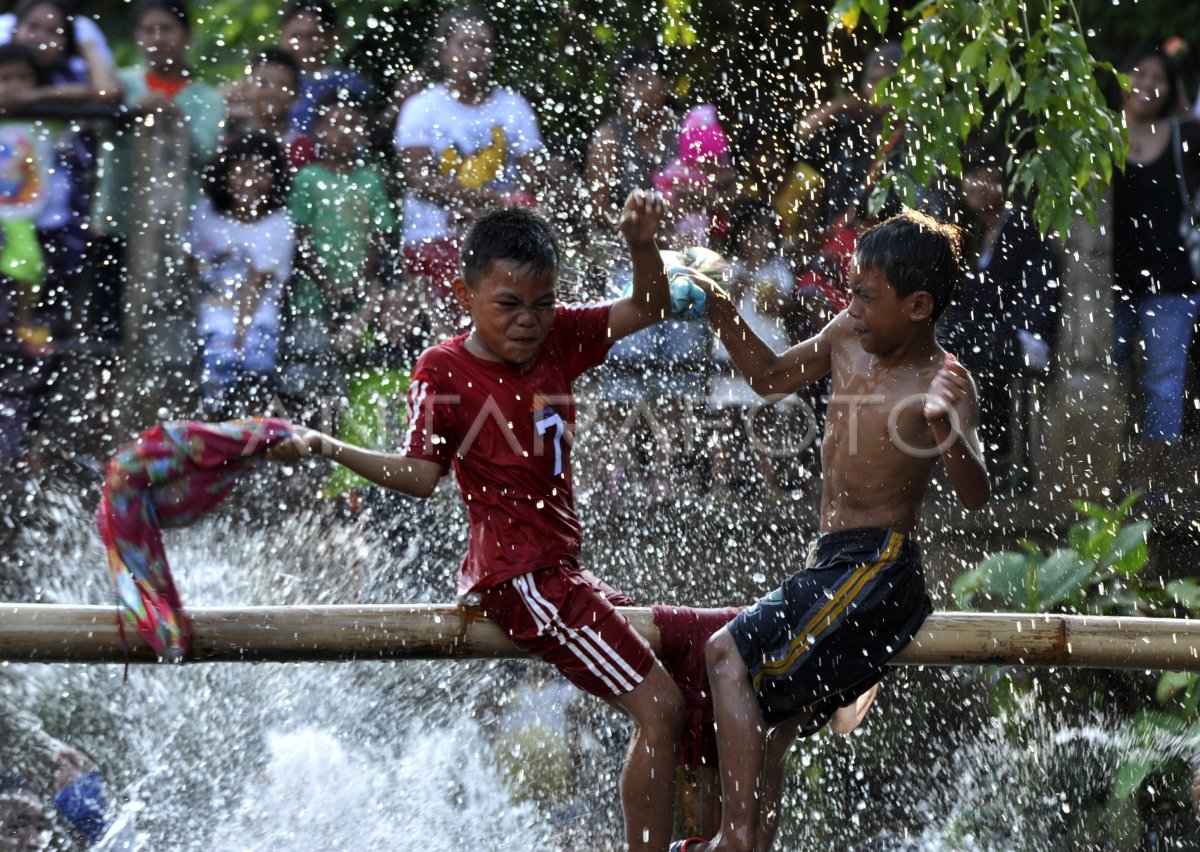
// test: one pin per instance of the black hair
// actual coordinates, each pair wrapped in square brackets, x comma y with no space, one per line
[256,144]
[636,56]
[509,233]
[1145,51]
[447,23]
[177,9]
[276,55]
[12,53]
[324,10]
[67,10]
[915,252]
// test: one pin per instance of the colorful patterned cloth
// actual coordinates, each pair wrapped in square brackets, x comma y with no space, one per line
[167,477]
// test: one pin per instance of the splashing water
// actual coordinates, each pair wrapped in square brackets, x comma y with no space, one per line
[370,755]
[406,755]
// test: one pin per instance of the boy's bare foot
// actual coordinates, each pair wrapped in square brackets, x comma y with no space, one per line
[850,717]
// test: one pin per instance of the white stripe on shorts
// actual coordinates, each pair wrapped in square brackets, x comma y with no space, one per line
[585,644]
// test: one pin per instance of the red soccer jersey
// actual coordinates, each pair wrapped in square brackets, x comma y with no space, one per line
[507,431]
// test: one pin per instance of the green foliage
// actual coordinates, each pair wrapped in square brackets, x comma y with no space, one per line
[1098,573]
[1018,70]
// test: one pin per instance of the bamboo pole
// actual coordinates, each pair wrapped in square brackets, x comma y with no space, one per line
[53,633]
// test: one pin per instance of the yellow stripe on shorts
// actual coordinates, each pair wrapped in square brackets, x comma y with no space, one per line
[832,609]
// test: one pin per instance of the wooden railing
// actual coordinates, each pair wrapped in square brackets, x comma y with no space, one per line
[52,633]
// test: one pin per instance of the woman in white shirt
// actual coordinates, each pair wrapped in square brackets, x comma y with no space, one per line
[465,145]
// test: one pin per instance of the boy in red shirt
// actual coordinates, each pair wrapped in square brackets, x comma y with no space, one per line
[495,405]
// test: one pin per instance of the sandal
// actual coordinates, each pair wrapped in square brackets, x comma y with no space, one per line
[685,845]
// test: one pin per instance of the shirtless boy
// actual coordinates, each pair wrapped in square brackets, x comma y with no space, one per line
[495,405]
[899,402]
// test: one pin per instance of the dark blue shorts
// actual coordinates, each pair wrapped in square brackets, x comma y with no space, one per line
[825,636]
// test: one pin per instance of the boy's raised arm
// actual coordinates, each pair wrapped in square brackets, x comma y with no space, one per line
[650,300]
[415,477]
[769,373]
[952,412]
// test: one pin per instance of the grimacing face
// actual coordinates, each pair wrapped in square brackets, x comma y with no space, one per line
[511,308]
[879,317]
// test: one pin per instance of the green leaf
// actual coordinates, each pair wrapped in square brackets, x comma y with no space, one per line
[1117,600]
[1012,86]
[966,585]
[1064,574]
[1100,539]
[878,11]
[1036,94]
[1006,576]
[1123,509]
[1172,683]
[1030,548]
[1128,553]
[1185,593]
[1080,534]
[972,55]
[1105,162]
[1146,729]
[1005,695]
[1130,776]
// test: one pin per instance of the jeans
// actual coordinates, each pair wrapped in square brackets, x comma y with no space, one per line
[1166,322]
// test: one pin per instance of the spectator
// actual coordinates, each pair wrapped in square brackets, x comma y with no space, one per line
[184,116]
[79,799]
[343,217]
[1156,295]
[700,181]
[638,140]
[1001,322]
[774,175]
[88,37]
[310,31]
[25,165]
[73,72]
[466,145]
[262,101]
[73,58]
[244,242]
[761,287]
[841,137]
[23,369]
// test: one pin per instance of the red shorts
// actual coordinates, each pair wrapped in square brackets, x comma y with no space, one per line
[435,263]
[568,617]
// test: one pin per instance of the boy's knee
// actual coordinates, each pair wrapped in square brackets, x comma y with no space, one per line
[662,712]
[720,649]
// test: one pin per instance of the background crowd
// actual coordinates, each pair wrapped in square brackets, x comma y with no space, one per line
[297,251]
